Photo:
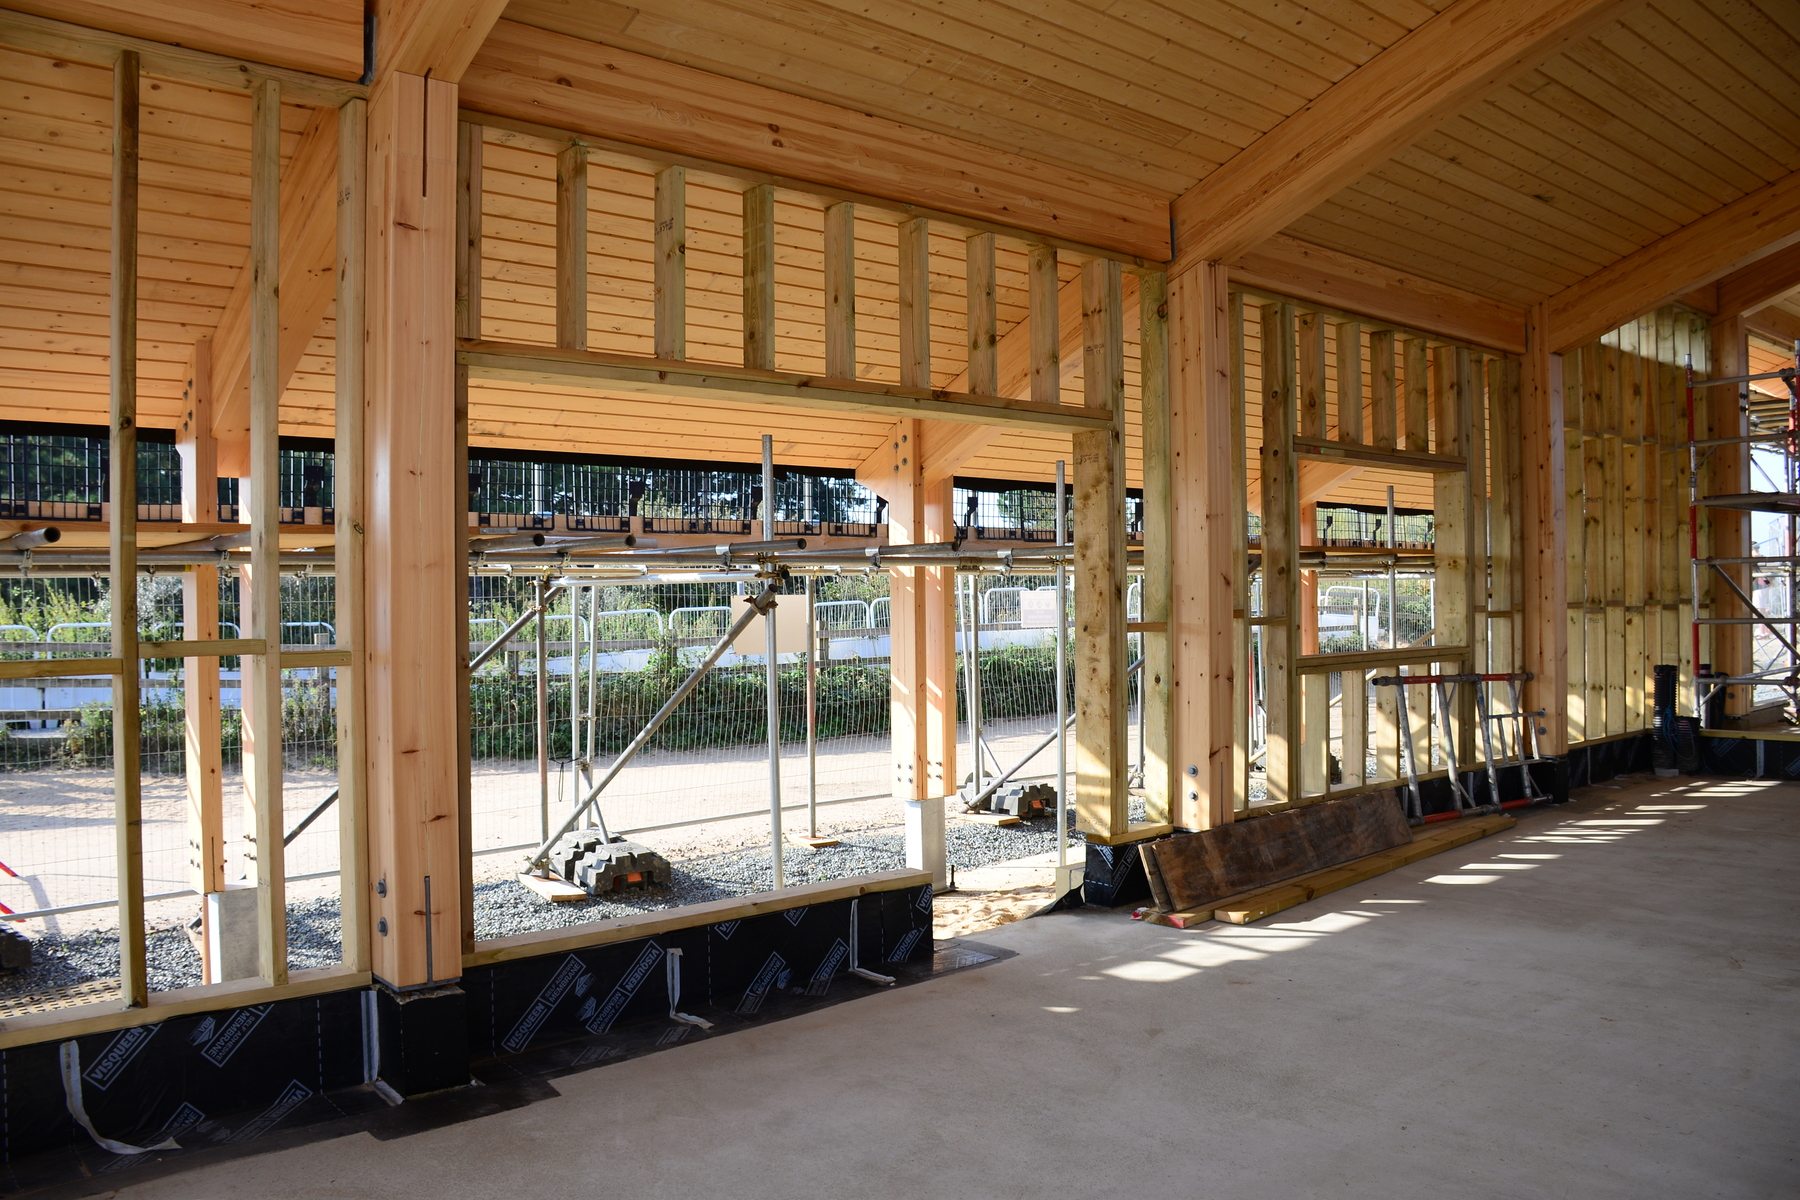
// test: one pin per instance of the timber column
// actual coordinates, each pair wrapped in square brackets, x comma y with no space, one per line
[412,575]
[1205,563]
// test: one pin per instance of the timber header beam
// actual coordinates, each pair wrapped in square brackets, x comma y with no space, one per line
[78,43]
[621,373]
[1452,60]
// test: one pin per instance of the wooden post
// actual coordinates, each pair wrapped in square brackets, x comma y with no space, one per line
[670,263]
[1281,560]
[1206,556]
[350,469]
[1631,469]
[1157,673]
[414,505]
[840,290]
[759,276]
[984,375]
[262,672]
[1101,801]
[572,247]
[134,988]
[201,725]
[468,232]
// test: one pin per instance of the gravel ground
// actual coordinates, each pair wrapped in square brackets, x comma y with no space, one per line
[64,960]
[704,871]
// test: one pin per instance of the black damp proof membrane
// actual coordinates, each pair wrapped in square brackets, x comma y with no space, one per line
[237,1083]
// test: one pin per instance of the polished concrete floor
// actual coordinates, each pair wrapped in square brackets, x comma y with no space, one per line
[1598,1003]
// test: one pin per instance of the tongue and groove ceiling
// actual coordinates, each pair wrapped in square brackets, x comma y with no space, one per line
[1662,115]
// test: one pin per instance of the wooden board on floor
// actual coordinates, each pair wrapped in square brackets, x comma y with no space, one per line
[1252,906]
[1193,871]
[988,818]
[556,891]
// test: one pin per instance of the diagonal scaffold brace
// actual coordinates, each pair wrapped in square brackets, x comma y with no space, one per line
[759,606]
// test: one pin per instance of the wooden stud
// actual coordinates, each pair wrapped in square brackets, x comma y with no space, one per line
[915,302]
[1631,469]
[984,375]
[1353,713]
[1233,506]
[468,224]
[1280,549]
[1593,447]
[1613,532]
[128,816]
[466,266]
[1156,675]
[1101,800]
[349,510]
[670,263]
[1046,327]
[1313,400]
[1418,396]
[1350,382]
[1451,504]
[759,276]
[840,290]
[202,717]
[1383,412]
[262,672]
[572,247]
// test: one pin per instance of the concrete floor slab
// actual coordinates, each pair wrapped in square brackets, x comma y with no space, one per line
[1598,1003]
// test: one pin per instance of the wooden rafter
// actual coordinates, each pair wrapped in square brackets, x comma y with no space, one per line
[307,258]
[1760,284]
[1425,78]
[1752,228]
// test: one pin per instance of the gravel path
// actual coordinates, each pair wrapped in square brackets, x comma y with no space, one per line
[504,908]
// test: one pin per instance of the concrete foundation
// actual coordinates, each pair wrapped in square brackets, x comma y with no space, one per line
[1598,1003]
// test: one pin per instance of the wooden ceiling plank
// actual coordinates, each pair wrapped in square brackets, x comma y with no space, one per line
[1431,220]
[1777,324]
[1694,96]
[1595,150]
[1745,57]
[1391,248]
[1728,238]
[1446,154]
[625,96]
[1663,117]
[1428,76]
[1499,143]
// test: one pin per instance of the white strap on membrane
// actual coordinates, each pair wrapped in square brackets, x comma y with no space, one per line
[674,970]
[71,1078]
